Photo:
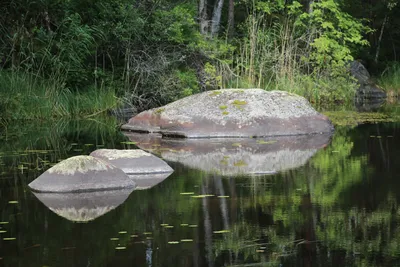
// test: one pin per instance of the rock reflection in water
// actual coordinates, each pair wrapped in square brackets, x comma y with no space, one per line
[235,156]
[147,181]
[83,207]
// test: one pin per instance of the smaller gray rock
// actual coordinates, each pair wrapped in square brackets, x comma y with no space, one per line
[360,72]
[367,89]
[80,174]
[133,161]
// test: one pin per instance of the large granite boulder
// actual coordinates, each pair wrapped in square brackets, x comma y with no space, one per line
[81,173]
[367,89]
[84,207]
[235,156]
[233,113]
[133,161]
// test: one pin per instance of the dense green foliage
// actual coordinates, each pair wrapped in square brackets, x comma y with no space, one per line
[148,53]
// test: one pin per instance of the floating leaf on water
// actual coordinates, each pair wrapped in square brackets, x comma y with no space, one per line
[193,225]
[372,136]
[379,136]
[259,251]
[114,238]
[122,232]
[9,238]
[169,226]
[120,248]
[3,231]
[134,235]
[13,202]
[149,238]
[223,196]
[187,193]
[74,144]
[186,240]
[221,231]
[164,224]
[184,224]
[89,144]
[147,233]
[4,222]
[202,196]
[173,242]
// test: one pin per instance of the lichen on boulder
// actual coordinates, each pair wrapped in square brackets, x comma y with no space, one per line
[133,161]
[80,174]
[233,113]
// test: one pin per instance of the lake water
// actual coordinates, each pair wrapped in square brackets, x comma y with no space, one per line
[319,203]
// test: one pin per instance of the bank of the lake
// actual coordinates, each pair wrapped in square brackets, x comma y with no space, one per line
[24,96]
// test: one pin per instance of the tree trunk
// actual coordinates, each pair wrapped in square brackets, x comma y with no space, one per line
[203,17]
[378,48]
[310,6]
[216,18]
[231,18]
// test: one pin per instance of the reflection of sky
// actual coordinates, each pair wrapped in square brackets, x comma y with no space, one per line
[149,254]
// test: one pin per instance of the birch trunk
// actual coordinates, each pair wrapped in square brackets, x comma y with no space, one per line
[203,17]
[216,18]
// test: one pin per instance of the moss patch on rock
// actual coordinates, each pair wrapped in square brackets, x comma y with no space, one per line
[214,93]
[80,164]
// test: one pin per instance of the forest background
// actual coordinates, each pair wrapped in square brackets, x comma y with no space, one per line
[78,58]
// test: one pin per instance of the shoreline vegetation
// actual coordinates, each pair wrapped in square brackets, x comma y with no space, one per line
[77,59]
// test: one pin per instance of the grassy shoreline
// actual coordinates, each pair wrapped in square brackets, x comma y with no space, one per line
[27,97]
[24,96]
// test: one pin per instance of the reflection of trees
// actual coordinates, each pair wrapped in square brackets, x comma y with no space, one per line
[314,213]
[32,148]
[336,209]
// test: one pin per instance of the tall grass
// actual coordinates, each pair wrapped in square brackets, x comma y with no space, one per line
[390,80]
[275,55]
[25,96]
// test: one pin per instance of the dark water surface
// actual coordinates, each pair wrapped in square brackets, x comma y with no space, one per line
[327,205]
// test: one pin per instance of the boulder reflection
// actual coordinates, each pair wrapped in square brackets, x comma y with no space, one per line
[83,207]
[147,181]
[235,156]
